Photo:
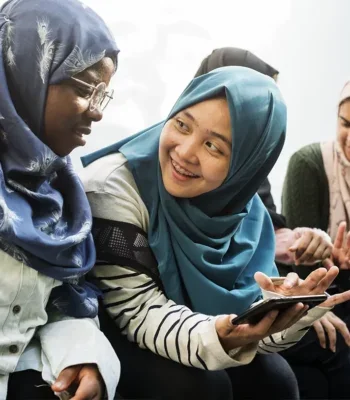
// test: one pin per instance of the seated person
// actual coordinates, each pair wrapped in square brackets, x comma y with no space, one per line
[180,235]
[53,54]
[316,194]
[304,241]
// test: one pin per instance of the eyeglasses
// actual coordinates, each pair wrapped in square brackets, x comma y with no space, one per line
[100,97]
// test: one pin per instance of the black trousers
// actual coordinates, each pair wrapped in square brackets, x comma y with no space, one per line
[145,375]
[322,374]
[28,385]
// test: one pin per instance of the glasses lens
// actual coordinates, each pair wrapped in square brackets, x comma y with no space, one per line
[97,96]
[106,99]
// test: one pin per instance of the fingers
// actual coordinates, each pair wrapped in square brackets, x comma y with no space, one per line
[347,256]
[224,325]
[339,239]
[324,250]
[261,329]
[320,333]
[336,299]
[331,333]
[300,245]
[66,378]
[291,280]
[319,280]
[328,279]
[308,253]
[297,316]
[340,326]
[288,317]
[327,252]
[89,389]
[232,336]
[327,263]
[313,279]
[264,281]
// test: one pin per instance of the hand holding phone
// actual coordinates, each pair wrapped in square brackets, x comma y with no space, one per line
[254,314]
[233,336]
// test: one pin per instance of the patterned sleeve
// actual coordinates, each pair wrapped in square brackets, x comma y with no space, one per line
[127,274]
[143,313]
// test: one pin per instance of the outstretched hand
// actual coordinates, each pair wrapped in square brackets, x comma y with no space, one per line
[317,282]
[341,249]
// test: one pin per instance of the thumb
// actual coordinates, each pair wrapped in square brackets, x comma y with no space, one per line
[264,281]
[295,245]
[66,378]
[224,325]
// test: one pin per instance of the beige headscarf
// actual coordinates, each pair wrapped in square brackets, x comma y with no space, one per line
[337,169]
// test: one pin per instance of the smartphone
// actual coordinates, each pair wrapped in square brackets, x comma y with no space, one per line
[254,314]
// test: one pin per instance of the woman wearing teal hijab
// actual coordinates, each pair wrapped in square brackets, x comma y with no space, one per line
[180,235]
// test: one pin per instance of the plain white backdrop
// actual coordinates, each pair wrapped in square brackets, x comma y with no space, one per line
[162,43]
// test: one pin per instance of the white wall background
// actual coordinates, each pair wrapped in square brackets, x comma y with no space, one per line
[162,43]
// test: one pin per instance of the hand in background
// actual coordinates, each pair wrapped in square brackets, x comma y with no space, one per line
[328,325]
[311,246]
[341,249]
[302,246]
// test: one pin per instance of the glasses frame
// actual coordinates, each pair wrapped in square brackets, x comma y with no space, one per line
[96,89]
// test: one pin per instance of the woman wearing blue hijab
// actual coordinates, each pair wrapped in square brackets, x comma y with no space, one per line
[180,235]
[56,60]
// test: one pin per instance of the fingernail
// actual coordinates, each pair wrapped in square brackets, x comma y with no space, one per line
[58,385]
[288,283]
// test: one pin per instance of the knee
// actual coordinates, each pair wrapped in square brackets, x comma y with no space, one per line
[204,385]
[281,377]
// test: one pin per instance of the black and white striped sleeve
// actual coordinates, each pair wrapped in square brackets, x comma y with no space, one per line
[285,339]
[147,317]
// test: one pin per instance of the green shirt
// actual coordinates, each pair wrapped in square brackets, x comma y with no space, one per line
[305,199]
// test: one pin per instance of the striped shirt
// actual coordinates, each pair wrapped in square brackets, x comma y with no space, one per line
[139,307]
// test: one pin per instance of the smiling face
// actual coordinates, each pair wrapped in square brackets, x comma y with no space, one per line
[67,114]
[195,149]
[343,127]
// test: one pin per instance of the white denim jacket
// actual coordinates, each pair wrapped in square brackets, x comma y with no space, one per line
[31,338]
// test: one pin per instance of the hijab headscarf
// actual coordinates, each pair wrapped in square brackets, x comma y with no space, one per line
[232,56]
[206,255]
[45,218]
[337,168]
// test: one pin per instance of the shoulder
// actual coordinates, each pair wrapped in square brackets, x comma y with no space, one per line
[101,175]
[310,155]
[112,191]
[310,152]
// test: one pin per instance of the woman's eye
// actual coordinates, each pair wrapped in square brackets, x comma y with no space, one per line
[212,147]
[83,92]
[181,125]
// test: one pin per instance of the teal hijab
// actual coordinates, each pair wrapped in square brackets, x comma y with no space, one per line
[209,247]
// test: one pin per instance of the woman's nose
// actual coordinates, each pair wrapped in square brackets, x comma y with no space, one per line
[187,151]
[96,114]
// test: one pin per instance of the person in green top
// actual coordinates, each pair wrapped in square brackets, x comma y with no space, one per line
[316,194]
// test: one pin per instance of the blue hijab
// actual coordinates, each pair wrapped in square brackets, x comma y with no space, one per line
[45,218]
[209,247]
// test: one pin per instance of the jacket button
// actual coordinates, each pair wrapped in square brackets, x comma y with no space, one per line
[16,309]
[13,349]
